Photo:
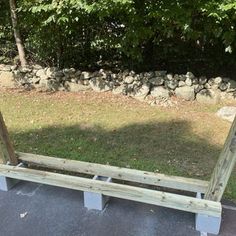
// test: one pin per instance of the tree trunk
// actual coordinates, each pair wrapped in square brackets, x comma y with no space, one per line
[16,31]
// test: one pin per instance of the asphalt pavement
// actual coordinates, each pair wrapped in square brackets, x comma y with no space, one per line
[31,209]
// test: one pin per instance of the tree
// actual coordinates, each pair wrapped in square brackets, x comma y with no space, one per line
[19,43]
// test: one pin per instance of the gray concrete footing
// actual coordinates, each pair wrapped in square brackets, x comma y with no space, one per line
[7,183]
[96,201]
[207,224]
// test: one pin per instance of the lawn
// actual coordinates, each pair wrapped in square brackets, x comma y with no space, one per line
[104,128]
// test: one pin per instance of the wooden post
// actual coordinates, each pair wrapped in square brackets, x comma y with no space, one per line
[6,149]
[223,168]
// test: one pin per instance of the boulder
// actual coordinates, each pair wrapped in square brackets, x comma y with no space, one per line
[208,96]
[188,81]
[129,79]
[217,80]
[85,75]
[142,92]
[7,79]
[160,92]
[157,81]
[169,77]
[171,84]
[202,80]
[195,81]
[73,87]
[223,86]
[181,83]
[232,85]
[160,73]
[99,85]
[58,74]
[187,93]
[198,88]
[34,80]
[207,86]
[41,74]
[190,75]
[50,71]
[122,89]
[48,85]
[4,67]
[227,113]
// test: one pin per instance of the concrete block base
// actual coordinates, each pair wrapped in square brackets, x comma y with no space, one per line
[96,201]
[7,183]
[207,224]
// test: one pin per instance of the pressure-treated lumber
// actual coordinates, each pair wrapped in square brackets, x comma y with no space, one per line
[223,168]
[144,177]
[164,199]
[7,153]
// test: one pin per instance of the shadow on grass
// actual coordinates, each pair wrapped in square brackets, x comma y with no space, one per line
[168,147]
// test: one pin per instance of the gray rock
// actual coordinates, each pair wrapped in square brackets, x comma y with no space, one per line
[77,74]
[198,88]
[207,86]
[4,67]
[217,80]
[227,113]
[132,73]
[73,87]
[223,86]
[202,80]
[208,96]
[69,71]
[58,74]
[169,77]
[190,75]
[34,80]
[160,73]
[129,79]
[85,75]
[142,92]
[37,67]
[99,85]
[182,77]
[7,79]
[122,89]
[41,74]
[48,85]
[160,92]
[157,81]
[211,81]
[232,86]
[171,84]
[188,81]
[187,93]
[50,71]
[149,75]
[114,76]
[14,67]
[181,83]
[25,69]
[195,81]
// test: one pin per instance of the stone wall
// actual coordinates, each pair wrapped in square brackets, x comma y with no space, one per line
[156,87]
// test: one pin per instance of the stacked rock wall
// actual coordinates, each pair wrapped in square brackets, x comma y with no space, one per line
[154,86]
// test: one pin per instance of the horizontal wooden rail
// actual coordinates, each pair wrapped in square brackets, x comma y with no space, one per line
[164,199]
[175,182]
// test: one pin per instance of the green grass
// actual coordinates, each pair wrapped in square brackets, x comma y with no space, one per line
[103,128]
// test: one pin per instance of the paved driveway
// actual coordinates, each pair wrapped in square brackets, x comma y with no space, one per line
[52,211]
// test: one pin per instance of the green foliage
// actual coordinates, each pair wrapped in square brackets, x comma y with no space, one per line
[7,51]
[138,32]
